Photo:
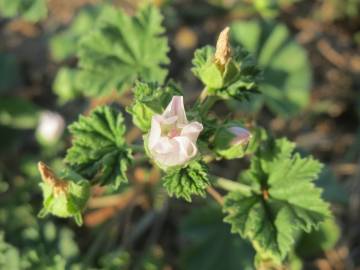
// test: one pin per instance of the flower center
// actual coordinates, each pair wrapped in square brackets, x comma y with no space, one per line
[174,132]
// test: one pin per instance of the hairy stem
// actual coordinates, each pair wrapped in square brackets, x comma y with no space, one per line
[230,185]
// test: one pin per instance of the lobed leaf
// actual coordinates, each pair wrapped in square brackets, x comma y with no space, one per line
[99,151]
[286,200]
[122,49]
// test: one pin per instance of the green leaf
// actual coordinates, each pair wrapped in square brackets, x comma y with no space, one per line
[67,84]
[318,241]
[18,113]
[287,74]
[190,180]
[99,151]
[210,245]
[285,200]
[122,49]
[236,81]
[68,203]
[64,44]
[150,99]
[30,10]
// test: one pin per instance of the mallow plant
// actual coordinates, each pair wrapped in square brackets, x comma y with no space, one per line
[272,201]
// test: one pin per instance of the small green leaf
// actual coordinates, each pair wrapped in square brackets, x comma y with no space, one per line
[285,200]
[99,151]
[121,49]
[236,81]
[18,113]
[30,10]
[190,180]
[67,84]
[150,99]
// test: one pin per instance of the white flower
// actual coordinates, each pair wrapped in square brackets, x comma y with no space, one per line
[51,126]
[172,139]
[242,135]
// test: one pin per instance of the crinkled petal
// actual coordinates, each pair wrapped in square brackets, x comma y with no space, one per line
[155,131]
[176,108]
[187,148]
[192,131]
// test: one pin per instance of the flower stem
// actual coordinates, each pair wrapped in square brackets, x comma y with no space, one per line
[230,185]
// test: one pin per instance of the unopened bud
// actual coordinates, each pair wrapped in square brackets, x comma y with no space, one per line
[223,49]
[49,177]
[242,135]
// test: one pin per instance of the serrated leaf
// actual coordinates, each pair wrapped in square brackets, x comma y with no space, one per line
[122,49]
[190,180]
[150,98]
[210,245]
[237,80]
[285,201]
[286,70]
[99,151]
[64,44]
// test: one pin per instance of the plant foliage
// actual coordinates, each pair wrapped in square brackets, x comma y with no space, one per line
[150,99]
[287,74]
[99,151]
[236,81]
[286,200]
[30,10]
[122,49]
[190,180]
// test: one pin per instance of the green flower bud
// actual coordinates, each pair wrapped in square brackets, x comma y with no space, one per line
[231,141]
[63,198]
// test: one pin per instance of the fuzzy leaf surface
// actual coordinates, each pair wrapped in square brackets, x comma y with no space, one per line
[292,202]
[99,151]
[190,180]
[150,99]
[236,81]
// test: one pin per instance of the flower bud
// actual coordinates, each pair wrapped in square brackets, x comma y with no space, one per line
[231,142]
[63,197]
[50,128]
[172,138]
[223,49]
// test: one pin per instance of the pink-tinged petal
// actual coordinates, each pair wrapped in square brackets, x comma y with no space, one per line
[242,135]
[192,131]
[167,154]
[187,148]
[155,131]
[176,108]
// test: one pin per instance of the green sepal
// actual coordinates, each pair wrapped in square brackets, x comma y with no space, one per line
[222,145]
[192,179]
[236,80]
[284,202]
[69,203]
[99,151]
[150,99]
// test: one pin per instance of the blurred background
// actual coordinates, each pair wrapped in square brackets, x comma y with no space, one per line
[309,51]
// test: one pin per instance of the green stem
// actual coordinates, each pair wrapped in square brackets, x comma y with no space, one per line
[137,148]
[230,185]
[208,103]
